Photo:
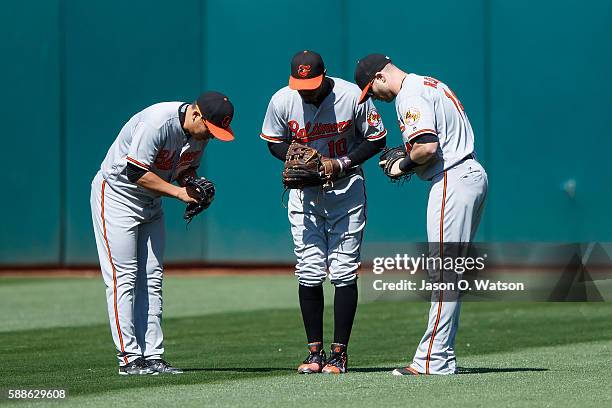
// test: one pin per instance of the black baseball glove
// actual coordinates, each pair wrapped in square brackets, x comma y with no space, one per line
[205,193]
[389,163]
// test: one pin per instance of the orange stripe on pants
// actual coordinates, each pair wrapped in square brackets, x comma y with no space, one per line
[110,258]
[441,299]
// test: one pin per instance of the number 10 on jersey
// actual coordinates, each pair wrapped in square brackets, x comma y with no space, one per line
[337,147]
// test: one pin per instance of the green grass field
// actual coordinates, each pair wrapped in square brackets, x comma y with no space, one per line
[240,339]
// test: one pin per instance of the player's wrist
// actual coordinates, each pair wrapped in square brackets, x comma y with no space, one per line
[344,163]
[177,192]
[407,164]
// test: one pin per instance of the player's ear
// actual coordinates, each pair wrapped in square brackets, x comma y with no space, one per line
[380,76]
[195,113]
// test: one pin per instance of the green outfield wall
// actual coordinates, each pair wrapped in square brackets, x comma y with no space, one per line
[532,76]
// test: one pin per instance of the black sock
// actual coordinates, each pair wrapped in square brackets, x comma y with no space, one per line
[311,304]
[345,306]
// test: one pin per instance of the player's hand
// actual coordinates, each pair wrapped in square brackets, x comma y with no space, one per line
[186,195]
[394,167]
[331,167]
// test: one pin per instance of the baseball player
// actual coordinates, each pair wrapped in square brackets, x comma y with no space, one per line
[440,144]
[159,145]
[327,223]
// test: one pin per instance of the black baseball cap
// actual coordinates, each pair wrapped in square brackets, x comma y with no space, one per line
[217,112]
[307,71]
[366,69]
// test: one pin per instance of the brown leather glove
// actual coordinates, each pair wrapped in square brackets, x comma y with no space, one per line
[304,167]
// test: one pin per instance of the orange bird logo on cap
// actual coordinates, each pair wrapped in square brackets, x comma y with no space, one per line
[226,121]
[303,70]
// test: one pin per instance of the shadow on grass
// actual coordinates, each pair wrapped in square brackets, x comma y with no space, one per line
[241,369]
[487,370]
[371,369]
[282,369]
[460,370]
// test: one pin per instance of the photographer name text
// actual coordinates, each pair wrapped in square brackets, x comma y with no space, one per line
[462,285]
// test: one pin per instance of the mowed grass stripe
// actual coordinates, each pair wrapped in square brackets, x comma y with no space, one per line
[67,302]
[239,345]
[506,379]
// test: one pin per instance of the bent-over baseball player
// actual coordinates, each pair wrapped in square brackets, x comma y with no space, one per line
[159,145]
[439,142]
[327,222]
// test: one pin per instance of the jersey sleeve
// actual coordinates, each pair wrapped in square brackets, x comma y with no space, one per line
[416,117]
[368,122]
[274,128]
[146,142]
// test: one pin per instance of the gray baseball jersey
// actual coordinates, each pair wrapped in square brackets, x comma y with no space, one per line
[129,226]
[426,105]
[326,225]
[155,141]
[335,128]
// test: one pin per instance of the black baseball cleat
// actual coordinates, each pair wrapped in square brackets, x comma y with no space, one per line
[315,361]
[337,363]
[162,367]
[405,371]
[140,366]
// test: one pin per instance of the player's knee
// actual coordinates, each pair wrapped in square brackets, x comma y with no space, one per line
[343,273]
[340,283]
[344,279]
[127,282]
[311,270]
[310,278]
[154,285]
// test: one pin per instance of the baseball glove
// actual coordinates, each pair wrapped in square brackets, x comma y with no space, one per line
[389,163]
[205,191]
[305,166]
